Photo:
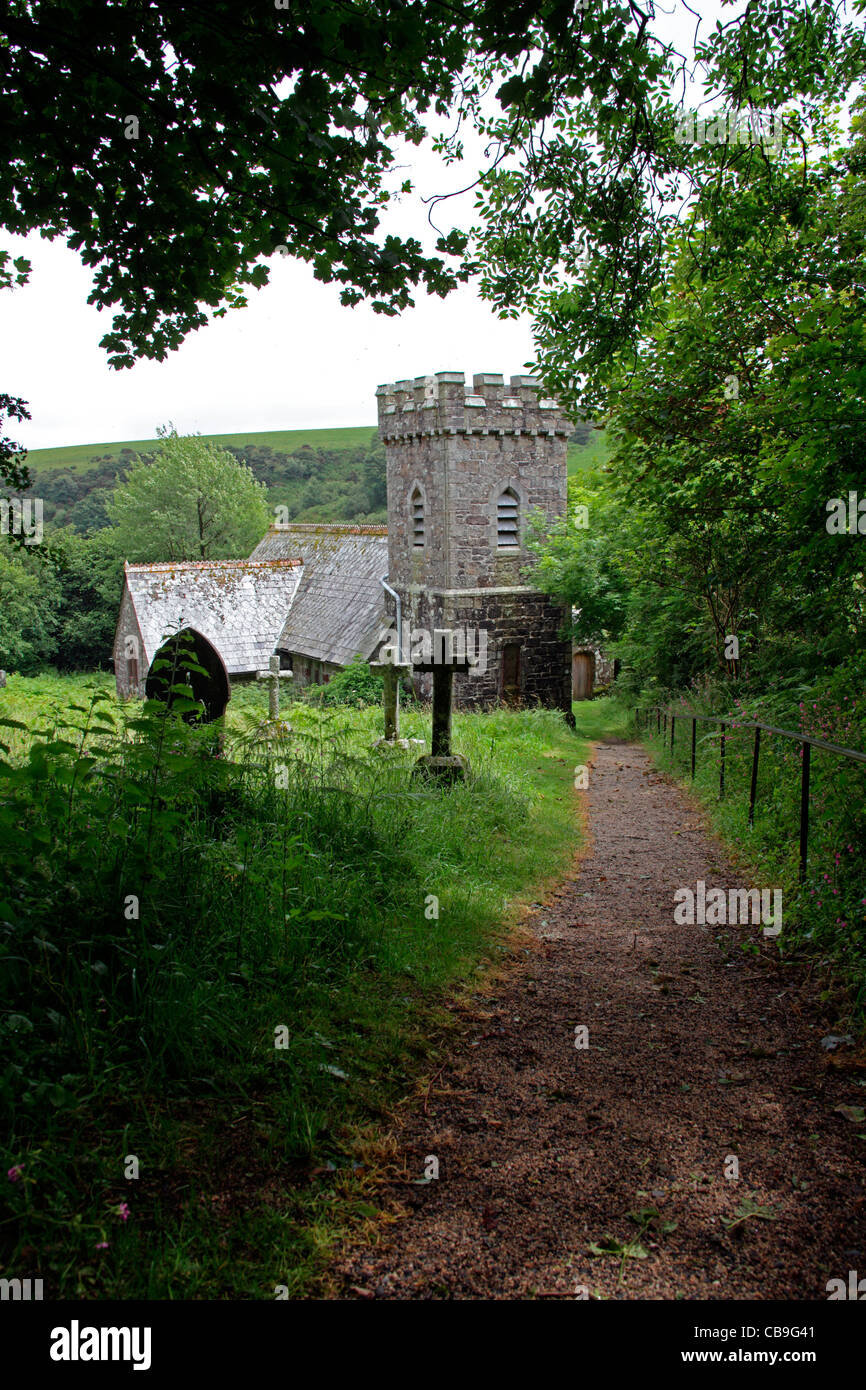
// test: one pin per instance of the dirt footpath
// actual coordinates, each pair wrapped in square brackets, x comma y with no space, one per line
[701,1058]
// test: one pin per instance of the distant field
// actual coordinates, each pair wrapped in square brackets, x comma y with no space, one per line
[590,455]
[78,457]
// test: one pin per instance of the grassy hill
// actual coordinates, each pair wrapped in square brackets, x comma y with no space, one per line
[319,475]
[80,458]
[590,454]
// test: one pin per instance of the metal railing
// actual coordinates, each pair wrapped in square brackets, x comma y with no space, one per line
[732,722]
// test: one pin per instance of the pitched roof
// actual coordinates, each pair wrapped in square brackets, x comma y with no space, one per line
[339,610]
[238,605]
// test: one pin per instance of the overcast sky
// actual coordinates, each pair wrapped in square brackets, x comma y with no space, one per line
[295,358]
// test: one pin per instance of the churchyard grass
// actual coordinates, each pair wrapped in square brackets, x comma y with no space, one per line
[224,973]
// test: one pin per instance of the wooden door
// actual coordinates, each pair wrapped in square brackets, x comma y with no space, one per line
[510,674]
[582,675]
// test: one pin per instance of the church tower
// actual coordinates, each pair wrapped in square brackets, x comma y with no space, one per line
[465,470]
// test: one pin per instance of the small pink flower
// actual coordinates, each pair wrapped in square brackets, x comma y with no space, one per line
[101,1245]
[14,1174]
[123,1211]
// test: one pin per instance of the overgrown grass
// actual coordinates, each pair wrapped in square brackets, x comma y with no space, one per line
[603,717]
[825,916]
[227,969]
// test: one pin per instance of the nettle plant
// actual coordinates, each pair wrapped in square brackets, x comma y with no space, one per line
[835,897]
[94,817]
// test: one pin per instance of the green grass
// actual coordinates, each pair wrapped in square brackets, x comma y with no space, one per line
[78,457]
[824,918]
[291,882]
[583,458]
[604,717]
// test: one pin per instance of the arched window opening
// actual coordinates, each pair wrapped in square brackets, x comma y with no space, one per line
[507,522]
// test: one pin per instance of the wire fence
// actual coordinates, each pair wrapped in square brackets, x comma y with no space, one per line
[666,727]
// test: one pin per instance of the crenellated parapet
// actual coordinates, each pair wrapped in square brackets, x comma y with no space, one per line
[444,405]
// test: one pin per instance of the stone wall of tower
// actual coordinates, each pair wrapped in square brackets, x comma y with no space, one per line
[461,449]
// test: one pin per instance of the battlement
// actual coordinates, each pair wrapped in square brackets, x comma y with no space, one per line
[443,404]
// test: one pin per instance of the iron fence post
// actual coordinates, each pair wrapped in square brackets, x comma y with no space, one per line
[804,810]
[754,786]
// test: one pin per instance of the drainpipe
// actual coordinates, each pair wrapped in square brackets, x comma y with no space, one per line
[396,597]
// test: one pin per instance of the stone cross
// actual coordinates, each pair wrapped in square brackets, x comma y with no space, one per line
[274,675]
[392,674]
[441,762]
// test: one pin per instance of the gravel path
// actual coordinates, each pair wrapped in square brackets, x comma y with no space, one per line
[699,1054]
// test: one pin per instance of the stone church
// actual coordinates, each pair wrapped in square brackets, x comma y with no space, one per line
[466,468]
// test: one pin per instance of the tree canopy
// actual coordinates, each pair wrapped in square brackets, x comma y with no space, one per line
[735,443]
[595,168]
[195,501]
[178,147]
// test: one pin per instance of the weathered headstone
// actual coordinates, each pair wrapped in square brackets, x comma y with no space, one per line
[392,673]
[274,675]
[440,762]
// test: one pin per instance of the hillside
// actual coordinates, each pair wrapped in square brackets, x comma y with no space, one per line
[80,458]
[585,453]
[318,475]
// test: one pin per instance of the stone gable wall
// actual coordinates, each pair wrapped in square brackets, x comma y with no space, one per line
[127,627]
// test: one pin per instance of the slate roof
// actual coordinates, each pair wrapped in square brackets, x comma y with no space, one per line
[340,607]
[240,606]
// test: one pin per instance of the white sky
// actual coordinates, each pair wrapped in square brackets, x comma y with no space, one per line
[295,358]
